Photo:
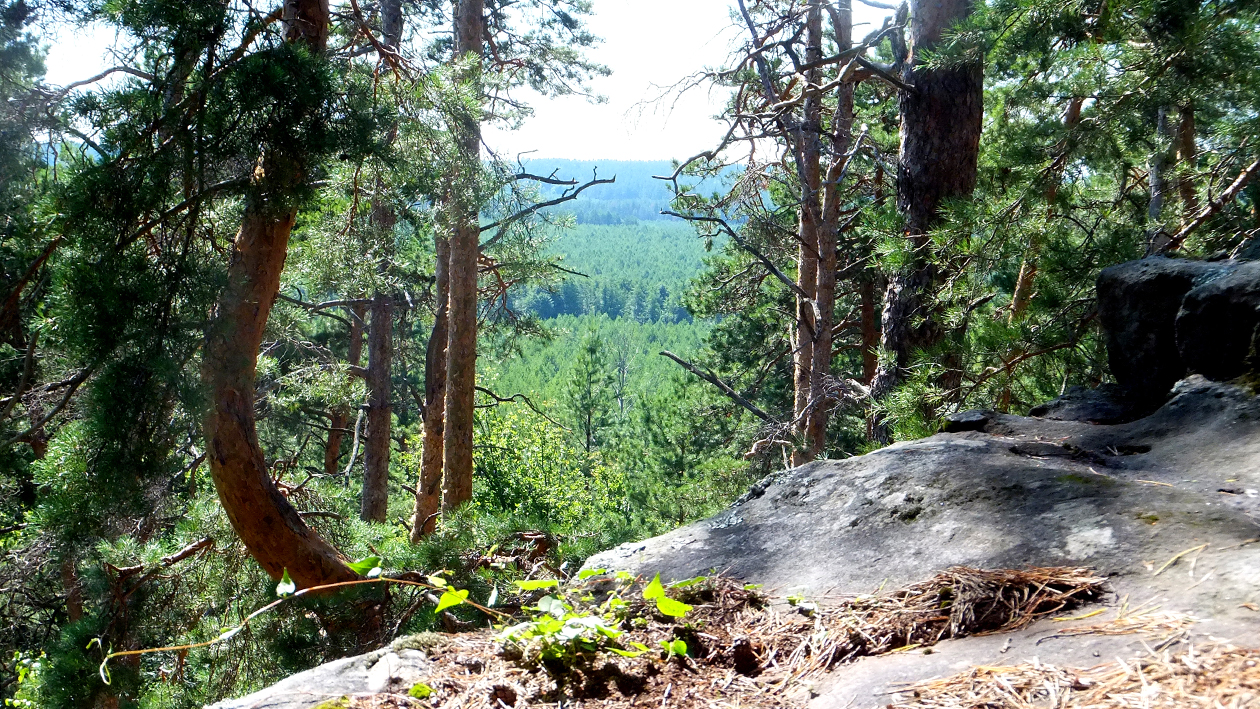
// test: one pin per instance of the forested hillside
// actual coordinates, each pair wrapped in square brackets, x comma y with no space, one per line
[277,328]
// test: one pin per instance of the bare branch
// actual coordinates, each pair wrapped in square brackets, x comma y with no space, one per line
[721,385]
[739,241]
[569,195]
[512,400]
[1212,208]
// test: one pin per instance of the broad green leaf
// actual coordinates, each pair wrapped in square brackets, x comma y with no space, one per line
[610,633]
[437,581]
[450,599]
[670,607]
[678,647]
[585,574]
[535,585]
[654,589]
[286,587]
[363,567]
[627,653]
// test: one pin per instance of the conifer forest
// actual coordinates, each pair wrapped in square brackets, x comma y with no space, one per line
[277,313]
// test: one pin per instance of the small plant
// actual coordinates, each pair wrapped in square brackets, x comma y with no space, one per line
[563,630]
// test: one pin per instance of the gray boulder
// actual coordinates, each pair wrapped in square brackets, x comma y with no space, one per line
[1138,302]
[1216,325]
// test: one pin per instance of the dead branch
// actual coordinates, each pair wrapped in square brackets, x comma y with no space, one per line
[512,400]
[1212,208]
[721,385]
[569,195]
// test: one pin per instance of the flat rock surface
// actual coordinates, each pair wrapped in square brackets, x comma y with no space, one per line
[1123,499]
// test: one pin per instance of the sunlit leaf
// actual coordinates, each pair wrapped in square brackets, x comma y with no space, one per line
[672,608]
[587,573]
[363,567]
[535,585]
[654,589]
[451,598]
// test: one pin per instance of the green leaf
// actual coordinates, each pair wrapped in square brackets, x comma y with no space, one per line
[678,647]
[654,589]
[450,599]
[670,607]
[627,653]
[363,567]
[438,581]
[585,574]
[688,582]
[535,585]
[286,587]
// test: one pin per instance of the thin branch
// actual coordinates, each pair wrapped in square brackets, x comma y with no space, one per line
[65,91]
[512,400]
[747,247]
[1213,208]
[721,385]
[75,383]
[568,195]
[208,191]
[28,370]
[9,311]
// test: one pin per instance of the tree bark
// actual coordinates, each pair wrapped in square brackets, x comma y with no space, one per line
[1186,152]
[940,138]
[465,248]
[340,418]
[270,528]
[429,489]
[828,240]
[809,142]
[374,502]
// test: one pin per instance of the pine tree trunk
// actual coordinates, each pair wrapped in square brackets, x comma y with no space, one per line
[1186,154]
[828,240]
[809,147]
[374,502]
[340,418]
[465,248]
[429,490]
[270,528]
[940,138]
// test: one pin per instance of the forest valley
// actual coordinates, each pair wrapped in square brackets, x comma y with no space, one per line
[271,310]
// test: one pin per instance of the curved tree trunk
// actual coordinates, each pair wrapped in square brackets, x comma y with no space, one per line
[465,248]
[429,490]
[940,139]
[271,529]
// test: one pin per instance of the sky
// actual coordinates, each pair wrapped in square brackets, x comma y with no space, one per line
[649,45]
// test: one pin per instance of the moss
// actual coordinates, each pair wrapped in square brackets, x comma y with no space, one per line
[1149,517]
[420,690]
[419,641]
[342,703]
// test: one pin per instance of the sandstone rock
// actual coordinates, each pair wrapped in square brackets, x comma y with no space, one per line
[1138,304]
[1217,324]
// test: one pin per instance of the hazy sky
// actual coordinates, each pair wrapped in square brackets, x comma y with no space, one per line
[646,43]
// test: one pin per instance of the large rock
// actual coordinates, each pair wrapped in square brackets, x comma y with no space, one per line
[1129,500]
[1138,302]
[1216,327]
